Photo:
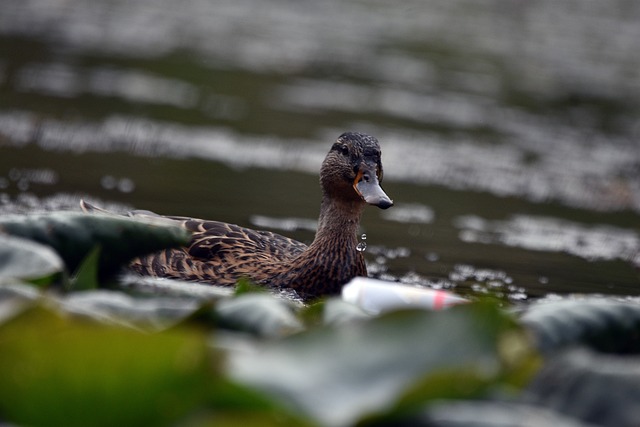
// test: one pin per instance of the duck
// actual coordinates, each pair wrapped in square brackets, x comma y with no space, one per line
[221,254]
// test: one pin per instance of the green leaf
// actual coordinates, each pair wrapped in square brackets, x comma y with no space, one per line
[73,235]
[447,384]
[55,371]
[236,405]
[246,286]
[28,261]
[363,367]
[86,276]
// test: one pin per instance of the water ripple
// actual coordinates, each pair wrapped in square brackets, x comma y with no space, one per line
[591,242]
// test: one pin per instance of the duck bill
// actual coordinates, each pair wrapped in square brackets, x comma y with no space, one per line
[367,186]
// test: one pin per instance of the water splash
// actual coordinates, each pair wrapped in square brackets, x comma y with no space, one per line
[362,246]
[485,281]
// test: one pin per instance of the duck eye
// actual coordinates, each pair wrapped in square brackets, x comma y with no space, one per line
[341,148]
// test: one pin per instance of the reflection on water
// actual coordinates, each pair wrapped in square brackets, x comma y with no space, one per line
[23,178]
[509,131]
[124,185]
[409,213]
[553,235]
[285,224]
[65,81]
[586,175]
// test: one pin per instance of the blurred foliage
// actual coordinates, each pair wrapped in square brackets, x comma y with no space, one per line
[75,235]
[57,368]
[365,367]
[28,261]
[56,371]
[83,356]
[605,325]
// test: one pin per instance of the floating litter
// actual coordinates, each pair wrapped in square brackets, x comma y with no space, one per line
[378,296]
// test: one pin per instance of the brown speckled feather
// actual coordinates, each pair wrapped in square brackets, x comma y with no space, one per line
[221,253]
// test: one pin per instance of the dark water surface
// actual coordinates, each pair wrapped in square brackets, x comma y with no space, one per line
[510,131]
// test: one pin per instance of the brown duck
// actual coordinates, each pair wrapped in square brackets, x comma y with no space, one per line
[221,253]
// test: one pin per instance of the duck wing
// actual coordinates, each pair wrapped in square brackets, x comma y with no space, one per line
[214,239]
[218,252]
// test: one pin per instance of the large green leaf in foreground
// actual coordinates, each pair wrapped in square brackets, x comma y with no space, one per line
[55,371]
[74,235]
[394,363]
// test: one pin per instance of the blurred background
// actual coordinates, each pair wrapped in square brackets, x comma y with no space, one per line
[510,130]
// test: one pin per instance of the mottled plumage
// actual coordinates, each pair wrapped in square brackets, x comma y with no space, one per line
[221,253]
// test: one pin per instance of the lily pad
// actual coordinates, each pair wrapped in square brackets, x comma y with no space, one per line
[28,261]
[153,286]
[606,325]
[117,308]
[74,235]
[490,414]
[598,389]
[260,314]
[336,375]
[333,311]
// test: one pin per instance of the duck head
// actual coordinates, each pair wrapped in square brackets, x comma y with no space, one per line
[352,170]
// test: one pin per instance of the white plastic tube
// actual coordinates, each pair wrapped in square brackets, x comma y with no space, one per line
[377,296]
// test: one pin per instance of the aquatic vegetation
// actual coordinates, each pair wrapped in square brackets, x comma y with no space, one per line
[152,351]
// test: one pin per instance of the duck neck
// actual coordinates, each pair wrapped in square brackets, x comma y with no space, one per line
[338,224]
[332,259]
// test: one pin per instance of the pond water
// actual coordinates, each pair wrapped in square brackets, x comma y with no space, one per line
[510,131]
